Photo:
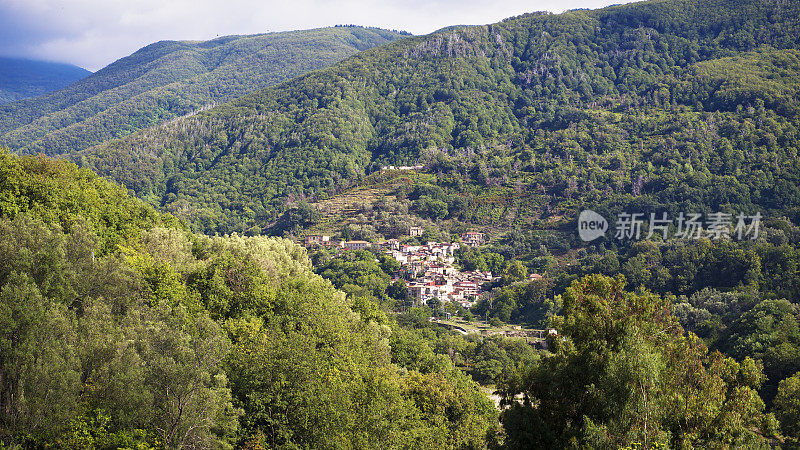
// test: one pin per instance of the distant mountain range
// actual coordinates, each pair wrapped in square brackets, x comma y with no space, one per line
[23,78]
[664,105]
[169,79]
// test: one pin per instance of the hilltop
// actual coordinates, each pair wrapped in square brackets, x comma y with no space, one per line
[169,79]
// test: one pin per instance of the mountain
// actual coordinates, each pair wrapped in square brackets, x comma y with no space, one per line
[169,338]
[168,79]
[23,78]
[659,105]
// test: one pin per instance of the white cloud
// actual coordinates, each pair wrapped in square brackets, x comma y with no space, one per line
[94,33]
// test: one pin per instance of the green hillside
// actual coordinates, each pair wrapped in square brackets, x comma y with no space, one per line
[671,104]
[169,79]
[62,195]
[22,78]
[171,338]
[120,329]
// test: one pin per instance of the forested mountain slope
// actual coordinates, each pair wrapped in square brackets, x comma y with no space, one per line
[173,78]
[169,339]
[65,196]
[666,103]
[22,78]
[120,329]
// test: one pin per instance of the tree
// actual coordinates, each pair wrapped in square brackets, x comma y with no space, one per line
[389,265]
[191,399]
[398,291]
[39,381]
[623,375]
[787,406]
[515,271]
[768,332]
[434,304]
[357,268]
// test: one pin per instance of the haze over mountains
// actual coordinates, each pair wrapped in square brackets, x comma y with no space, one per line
[169,79]
[23,78]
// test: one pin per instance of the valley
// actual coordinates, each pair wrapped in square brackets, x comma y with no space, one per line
[352,237]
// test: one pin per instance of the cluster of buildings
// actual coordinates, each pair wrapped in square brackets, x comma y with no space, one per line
[432,274]
[429,269]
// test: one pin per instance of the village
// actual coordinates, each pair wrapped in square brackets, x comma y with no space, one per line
[429,269]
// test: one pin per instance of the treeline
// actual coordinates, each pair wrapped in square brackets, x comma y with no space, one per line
[403,32]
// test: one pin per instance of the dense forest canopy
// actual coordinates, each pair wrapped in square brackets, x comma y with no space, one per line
[227,338]
[672,104]
[65,196]
[169,79]
[172,339]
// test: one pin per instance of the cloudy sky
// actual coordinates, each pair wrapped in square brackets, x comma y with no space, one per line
[94,33]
